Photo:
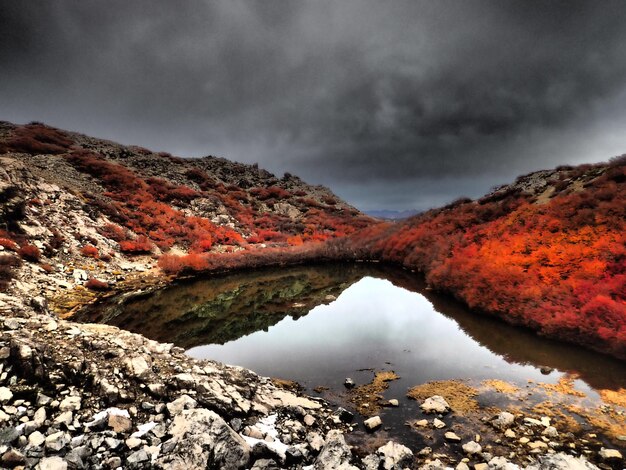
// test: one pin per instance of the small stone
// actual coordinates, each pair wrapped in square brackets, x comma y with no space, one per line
[422,423]
[316,442]
[394,456]
[349,383]
[532,422]
[138,366]
[435,404]
[524,440]
[293,456]
[253,431]
[309,420]
[64,418]
[462,466]
[551,432]
[40,416]
[12,324]
[157,389]
[438,424]
[70,404]
[112,443]
[119,423]
[12,458]
[114,462]
[344,415]
[138,457]
[393,402]
[472,448]
[43,400]
[184,402]
[425,452]
[52,463]
[373,423]
[503,420]
[133,442]
[36,439]
[545,370]
[481,466]
[5,395]
[236,423]
[450,436]
[537,445]
[610,454]
[55,442]
[510,434]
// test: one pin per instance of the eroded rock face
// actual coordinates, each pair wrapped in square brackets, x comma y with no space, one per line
[562,461]
[202,439]
[391,456]
[335,454]
[94,396]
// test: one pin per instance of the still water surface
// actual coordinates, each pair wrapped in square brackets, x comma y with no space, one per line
[319,325]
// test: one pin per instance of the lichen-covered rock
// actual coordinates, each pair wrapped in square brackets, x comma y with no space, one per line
[335,454]
[435,404]
[561,461]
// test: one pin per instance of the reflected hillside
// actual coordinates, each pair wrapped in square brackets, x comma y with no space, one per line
[516,344]
[219,309]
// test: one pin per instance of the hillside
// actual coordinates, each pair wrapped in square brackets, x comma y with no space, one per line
[82,215]
[80,210]
[547,252]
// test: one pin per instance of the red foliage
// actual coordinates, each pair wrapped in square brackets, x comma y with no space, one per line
[36,139]
[559,267]
[8,244]
[30,252]
[89,251]
[138,246]
[113,232]
[8,264]
[96,285]
[271,192]
[47,267]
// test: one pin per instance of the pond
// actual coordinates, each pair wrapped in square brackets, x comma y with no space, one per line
[318,325]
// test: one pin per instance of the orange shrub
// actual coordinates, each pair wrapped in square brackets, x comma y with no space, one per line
[89,251]
[30,252]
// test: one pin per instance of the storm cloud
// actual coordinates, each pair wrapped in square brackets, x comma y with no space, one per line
[396,105]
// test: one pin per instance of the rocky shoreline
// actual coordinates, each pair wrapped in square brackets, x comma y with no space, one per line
[93,396]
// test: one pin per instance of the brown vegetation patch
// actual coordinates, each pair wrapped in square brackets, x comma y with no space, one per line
[551,410]
[67,303]
[459,395]
[286,384]
[565,386]
[501,386]
[609,421]
[366,398]
[614,397]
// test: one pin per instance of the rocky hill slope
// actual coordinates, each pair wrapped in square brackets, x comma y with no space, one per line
[79,211]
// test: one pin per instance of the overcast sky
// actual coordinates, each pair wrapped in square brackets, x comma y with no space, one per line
[393,104]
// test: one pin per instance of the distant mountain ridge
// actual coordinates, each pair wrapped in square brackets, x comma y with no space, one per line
[391,214]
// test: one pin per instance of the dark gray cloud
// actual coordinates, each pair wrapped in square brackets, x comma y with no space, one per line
[392,104]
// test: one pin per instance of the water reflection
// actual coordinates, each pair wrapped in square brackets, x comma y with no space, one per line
[286,323]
